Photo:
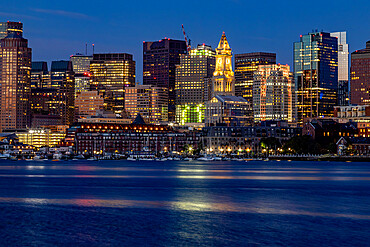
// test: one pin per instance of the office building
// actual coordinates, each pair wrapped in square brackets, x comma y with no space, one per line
[316,75]
[39,74]
[80,63]
[62,79]
[81,68]
[149,101]
[40,137]
[225,108]
[87,103]
[10,27]
[191,76]
[343,69]
[159,67]
[245,66]
[360,76]
[111,74]
[273,93]
[15,78]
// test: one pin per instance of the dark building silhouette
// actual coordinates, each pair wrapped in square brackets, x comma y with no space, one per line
[159,67]
[39,74]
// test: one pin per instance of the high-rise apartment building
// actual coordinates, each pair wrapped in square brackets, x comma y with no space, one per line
[191,78]
[81,68]
[360,76]
[10,27]
[245,66]
[15,82]
[343,69]
[111,74]
[273,93]
[316,75]
[225,108]
[159,67]
[39,74]
[149,101]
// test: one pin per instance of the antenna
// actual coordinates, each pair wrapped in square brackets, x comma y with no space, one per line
[86,49]
[93,45]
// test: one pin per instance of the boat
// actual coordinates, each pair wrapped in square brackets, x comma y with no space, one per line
[188,159]
[37,158]
[92,159]
[267,159]
[176,158]
[205,159]
[217,158]
[169,158]
[131,159]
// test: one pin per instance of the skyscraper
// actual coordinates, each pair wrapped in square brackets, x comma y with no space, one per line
[111,74]
[10,27]
[39,74]
[81,68]
[245,66]
[360,76]
[273,93]
[225,108]
[343,69]
[62,79]
[159,67]
[316,75]
[191,75]
[15,79]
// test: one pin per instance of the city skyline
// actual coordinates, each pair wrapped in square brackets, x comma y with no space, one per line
[114,30]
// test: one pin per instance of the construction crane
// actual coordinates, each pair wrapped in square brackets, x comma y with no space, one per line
[188,44]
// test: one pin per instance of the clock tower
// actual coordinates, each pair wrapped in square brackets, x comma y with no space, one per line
[223,81]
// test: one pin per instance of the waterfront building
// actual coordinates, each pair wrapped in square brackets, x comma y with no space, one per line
[111,74]
[40,137]
[137,137]
[159,67]
[360,74]
[10,27]
[225,108]
[191,78]
[39,74]
[343,69]
[316,75]
[223,140]
[149,101]
[87,103]
[327,130]
[245,66]
[15,78]
[273,93]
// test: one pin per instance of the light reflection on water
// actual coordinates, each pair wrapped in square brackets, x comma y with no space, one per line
[179,205]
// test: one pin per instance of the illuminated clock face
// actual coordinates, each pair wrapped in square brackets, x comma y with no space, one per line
[219,60]
[228,61]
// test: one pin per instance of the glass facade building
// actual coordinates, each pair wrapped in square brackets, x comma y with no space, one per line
[39,74]
[111,74]
[343,68]
[159,67]
[81,68]
[316,75]
[15,82]
[245,66]
[191,77]
[360,76]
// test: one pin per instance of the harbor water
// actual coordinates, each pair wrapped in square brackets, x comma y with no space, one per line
[184,203]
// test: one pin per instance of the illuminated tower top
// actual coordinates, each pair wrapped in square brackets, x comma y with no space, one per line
[223,77]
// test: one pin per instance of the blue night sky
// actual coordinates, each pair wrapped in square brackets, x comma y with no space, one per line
[58,29]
